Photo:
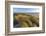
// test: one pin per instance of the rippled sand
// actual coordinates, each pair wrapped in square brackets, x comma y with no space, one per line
[26,20]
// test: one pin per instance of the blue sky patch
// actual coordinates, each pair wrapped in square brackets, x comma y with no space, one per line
[25,10]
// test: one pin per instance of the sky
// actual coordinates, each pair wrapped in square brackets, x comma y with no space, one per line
[25,10]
